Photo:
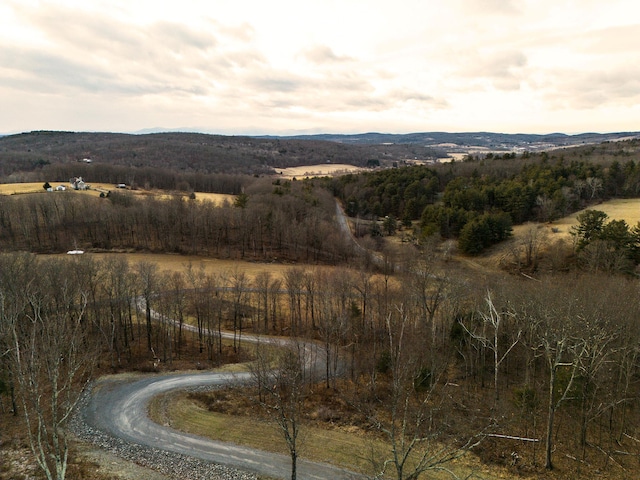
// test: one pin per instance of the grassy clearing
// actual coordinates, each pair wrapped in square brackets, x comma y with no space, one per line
[351,450]
[174,263]
[627,209]
[329,169]
[19,188]
[98,188]
[551,233]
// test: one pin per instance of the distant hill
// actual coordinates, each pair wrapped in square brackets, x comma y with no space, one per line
[500,141]
[206,153]
[191,152]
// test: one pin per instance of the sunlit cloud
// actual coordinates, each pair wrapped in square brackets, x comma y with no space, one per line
[345,66]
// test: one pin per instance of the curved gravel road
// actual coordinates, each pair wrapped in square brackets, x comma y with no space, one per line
[116,410]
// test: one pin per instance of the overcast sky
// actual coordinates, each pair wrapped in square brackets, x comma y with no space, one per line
[313,66]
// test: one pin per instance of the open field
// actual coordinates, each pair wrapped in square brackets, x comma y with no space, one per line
[18,188]
[347,447]
[172,262]
[320,170]
[98,188]
[627,209]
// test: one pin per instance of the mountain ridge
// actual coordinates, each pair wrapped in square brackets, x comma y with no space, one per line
[244,154]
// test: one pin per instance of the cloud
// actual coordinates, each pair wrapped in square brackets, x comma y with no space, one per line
[321,54]
[98,54]
[503,69]
[489,7]
[458,61]
[612,40]
[590,90]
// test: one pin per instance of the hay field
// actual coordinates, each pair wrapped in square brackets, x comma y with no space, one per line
[627,209]
[174,262]
[18,188]
[559,230]
[98,188]
[328,169]
[217,198]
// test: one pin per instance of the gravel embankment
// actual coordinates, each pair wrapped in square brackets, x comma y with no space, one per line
[171,465]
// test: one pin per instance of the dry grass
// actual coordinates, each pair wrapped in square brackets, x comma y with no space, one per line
[627,209]
[18,188]
[211,265]
[174,263]
[348,448]
[217,198]
[98,188]
[551,234]
[329,169]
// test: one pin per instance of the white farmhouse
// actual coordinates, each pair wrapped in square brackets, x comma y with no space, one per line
[77,183]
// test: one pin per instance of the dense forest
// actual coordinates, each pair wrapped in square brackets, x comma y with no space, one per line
[289,220]
[478,201]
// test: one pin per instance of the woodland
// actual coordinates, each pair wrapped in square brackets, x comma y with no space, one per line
[533,362]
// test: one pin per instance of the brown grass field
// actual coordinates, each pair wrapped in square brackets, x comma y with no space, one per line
[98,188]
[347,447]
[627,209]
[174,262]
[329,169]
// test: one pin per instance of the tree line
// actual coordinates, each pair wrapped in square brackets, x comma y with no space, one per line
[138,177]
[291,220]
[487,195]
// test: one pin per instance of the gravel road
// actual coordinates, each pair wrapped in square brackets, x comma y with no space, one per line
[113,416]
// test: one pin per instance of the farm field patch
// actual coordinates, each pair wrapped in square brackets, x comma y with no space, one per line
[174,263]
[328,169]
[627,209]
[98,188]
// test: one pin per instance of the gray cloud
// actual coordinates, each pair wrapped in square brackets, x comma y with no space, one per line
[588,90]
[504,69]
[424,100]
[321,54]
[271,82]
[101,54]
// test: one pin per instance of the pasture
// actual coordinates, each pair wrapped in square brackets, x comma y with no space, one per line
[175,263]
[98,188]
[627,209]
[19,188]
[321,170]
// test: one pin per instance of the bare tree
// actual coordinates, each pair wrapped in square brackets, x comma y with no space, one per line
[281,383]
[239,285]
[490,333]
[555,315]
[197,280]
[409,420]
[261,283]
[429,288]
[52,357]
[148,279]
[526,249]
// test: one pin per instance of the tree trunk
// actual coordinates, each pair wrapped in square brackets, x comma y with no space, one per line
[294,465]
[550,418]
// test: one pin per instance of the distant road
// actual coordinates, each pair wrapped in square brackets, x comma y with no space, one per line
[343,223]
